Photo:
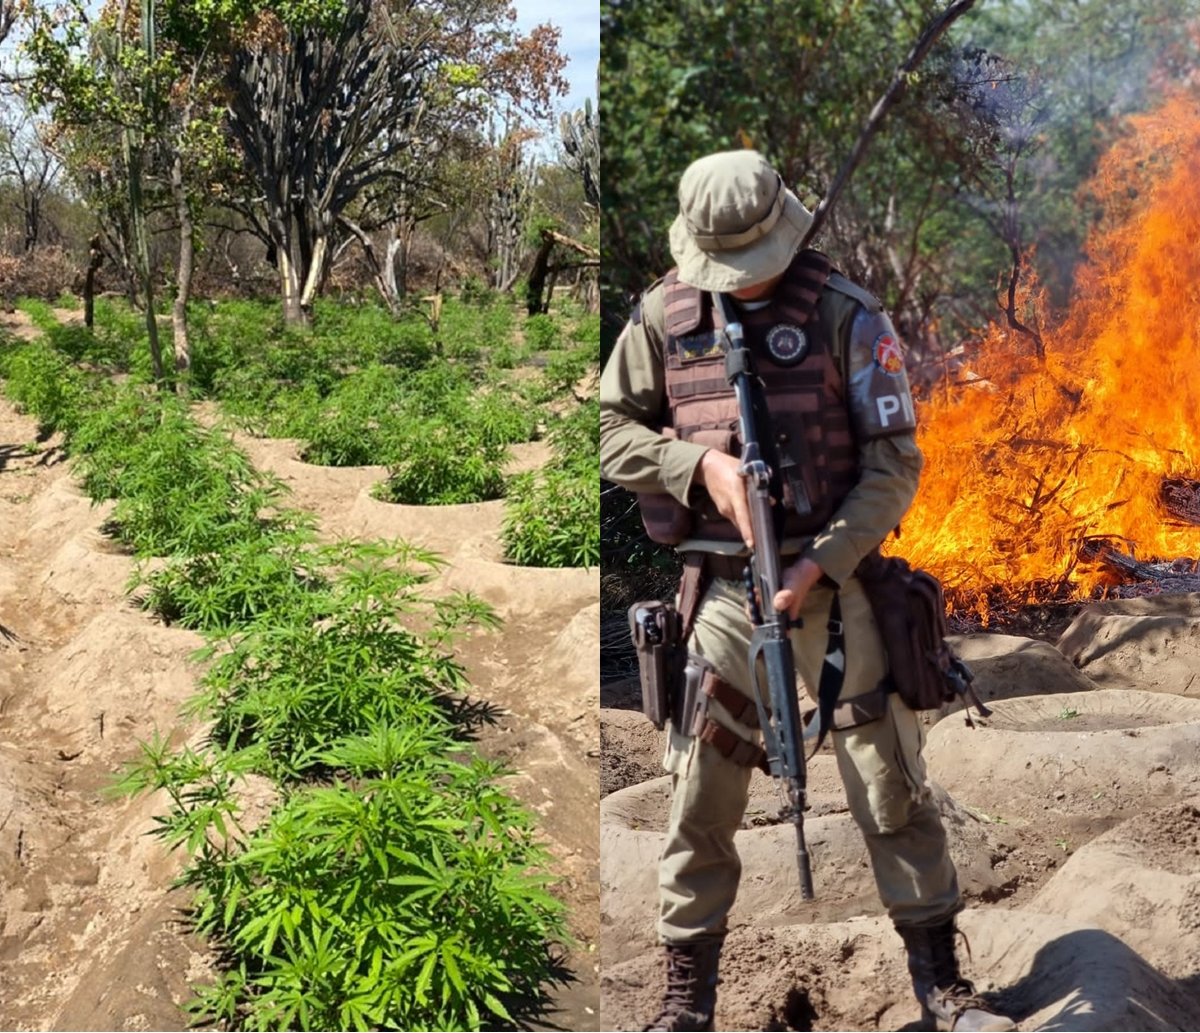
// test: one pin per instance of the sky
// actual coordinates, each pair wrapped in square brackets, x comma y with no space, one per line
[579,21]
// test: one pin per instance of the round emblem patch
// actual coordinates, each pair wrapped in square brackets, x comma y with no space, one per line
[888,356]
[787,344]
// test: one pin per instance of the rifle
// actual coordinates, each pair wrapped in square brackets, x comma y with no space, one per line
[781,726]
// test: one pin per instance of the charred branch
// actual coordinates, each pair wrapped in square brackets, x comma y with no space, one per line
[1140,577]
[1181,498]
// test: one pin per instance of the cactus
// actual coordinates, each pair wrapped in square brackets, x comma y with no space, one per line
[580,135]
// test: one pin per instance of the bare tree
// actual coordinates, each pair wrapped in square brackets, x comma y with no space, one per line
[33,168]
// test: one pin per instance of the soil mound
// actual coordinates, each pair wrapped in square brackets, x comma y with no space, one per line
[1048,972]
[1096,752]
[631,839]
[1151,643]
[1143,885]
[1009,665]
[631,749]
[146,666]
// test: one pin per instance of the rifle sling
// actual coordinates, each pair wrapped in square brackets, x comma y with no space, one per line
[833,670]
[861,710]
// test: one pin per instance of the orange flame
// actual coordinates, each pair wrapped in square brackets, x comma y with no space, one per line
[1025,462]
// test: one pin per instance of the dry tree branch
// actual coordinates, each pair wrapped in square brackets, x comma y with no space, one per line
[891,95]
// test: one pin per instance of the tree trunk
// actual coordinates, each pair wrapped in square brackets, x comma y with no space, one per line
[318,260]
[290,290]
[537,276]
[95,258]
[131,148]
[187,265]
[384,272]
[399,254]
[33,206]
[394,275]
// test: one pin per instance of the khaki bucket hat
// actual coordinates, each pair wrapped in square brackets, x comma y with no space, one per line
[738,224]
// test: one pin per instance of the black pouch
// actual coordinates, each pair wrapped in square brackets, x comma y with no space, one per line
[910,610]
[657,631]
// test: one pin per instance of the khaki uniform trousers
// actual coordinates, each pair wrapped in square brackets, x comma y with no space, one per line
[880,764]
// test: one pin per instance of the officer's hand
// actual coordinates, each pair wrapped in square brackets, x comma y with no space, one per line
[718,472]
[797,580]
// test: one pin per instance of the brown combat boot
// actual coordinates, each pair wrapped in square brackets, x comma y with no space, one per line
[691,995]
[948,1002]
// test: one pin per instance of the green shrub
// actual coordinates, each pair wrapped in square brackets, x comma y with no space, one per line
[404,893]
[352,427]
[552,518]
[443,465]
[338,663]
[406,899]
[496,324]
[120,333]
[268,575]
[503,356]
[541,332]
[469,329]
[587,331]
[181,488]
[46,385]
[498,418]
[109,432]
[474,291]
[369,333]
[438,391]
[40,313]
[564,370]
[575,437]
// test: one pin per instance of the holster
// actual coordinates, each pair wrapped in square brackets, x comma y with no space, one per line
[657,631]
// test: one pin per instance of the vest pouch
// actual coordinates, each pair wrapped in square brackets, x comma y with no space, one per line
[720,439]
[666,520]
[910,610]
[804,481]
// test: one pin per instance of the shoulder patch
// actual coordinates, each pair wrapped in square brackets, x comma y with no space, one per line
[852,290]
[887,354]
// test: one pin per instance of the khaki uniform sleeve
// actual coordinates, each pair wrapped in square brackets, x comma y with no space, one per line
[890,471]
[891,468]
[633,452]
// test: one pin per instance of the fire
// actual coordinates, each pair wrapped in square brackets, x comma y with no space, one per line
[1022,465]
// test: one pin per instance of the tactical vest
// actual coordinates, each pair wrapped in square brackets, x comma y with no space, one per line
[810,422]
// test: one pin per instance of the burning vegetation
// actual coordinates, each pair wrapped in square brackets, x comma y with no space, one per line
[1059,468]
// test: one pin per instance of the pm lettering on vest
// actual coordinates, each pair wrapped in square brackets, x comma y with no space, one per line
[890,406]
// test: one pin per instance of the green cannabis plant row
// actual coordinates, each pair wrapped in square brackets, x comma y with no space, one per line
[392,883]
[552,515]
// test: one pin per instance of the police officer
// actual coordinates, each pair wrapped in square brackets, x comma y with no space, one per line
[842,430]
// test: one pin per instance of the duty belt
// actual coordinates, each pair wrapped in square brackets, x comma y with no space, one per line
[729,568]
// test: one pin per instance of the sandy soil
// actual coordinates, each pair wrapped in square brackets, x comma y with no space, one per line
[1073,816]
[90,936]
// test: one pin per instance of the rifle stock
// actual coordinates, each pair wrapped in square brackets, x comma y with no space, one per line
[779,706]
